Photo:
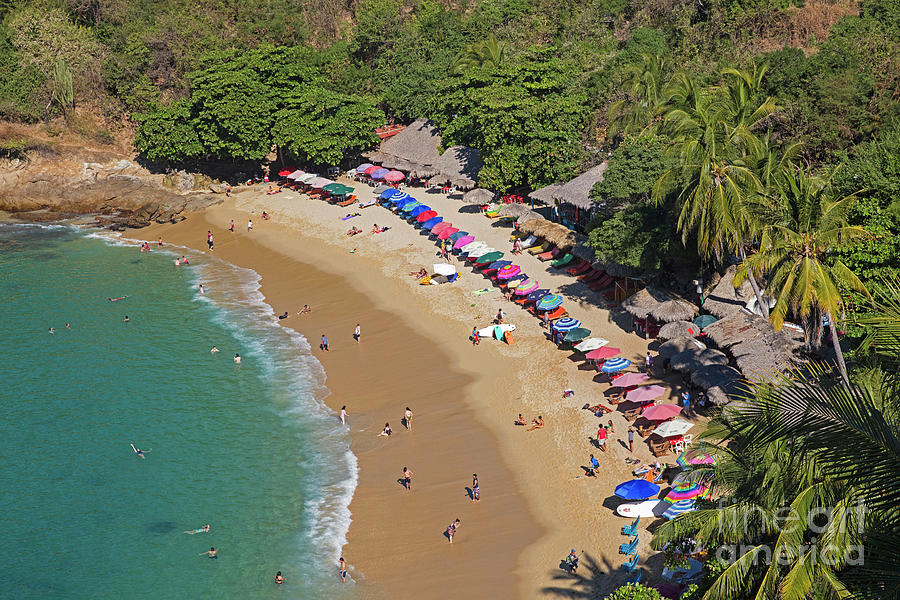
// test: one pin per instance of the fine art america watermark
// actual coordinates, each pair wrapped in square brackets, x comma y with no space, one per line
[813,531]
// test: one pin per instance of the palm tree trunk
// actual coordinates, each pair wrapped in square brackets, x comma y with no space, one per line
[763,307]
[837,348]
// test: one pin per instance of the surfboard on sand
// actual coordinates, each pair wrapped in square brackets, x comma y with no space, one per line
[490,331]
[508,338]
[647,508]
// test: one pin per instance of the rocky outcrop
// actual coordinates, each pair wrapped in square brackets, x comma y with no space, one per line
[122,192]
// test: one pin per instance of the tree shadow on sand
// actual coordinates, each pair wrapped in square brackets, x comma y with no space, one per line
[593,579]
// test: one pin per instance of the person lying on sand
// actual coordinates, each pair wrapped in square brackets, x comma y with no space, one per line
[353,231]
[265,215]
[351,215]
[284,316]
[537,423]
[521,420]
[376,229]
[386,432]
[305,309]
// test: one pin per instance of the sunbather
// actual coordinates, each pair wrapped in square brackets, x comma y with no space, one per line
[537,423]
[353,231]
[521,420]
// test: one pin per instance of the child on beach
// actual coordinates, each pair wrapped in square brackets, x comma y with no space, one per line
[344,414]
[342,568]
[475,337]
[451,529]
[406,479]
[324,344]
[387,431]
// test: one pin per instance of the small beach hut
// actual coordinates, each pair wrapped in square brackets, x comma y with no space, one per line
[674,310]
[512,210]
[478,196]
[677,329]
[674,346]
[573,202]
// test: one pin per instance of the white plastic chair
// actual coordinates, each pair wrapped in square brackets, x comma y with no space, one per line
[689,439]
[678,447]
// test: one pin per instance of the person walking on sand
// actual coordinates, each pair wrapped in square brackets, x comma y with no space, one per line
[249,225]
[475,338]
[342,569]
[357,333]
[601,438]
[211,242]
[407,419]
[476,494]
[594,465]
[631,440]
[451,529]
[499,316]
[406,479]
[648,362]
[159,242]
[344,415]
[323,346]
[231,229]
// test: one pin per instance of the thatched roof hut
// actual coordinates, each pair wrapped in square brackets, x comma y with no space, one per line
[558,235]
[640,303]
[546,194]
[694,359]
[531,225]
[478,196]
[615,269]
[676,329]
[584,252]
[509,210]
[401,164]
[715,375]
[674,310]
[417,143]
[758,350]
[578,191]
[529,216]
[673,347]
[461,164]
[724,299]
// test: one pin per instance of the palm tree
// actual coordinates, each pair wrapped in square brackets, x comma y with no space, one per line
[646,83]
[486,54]
[796,256]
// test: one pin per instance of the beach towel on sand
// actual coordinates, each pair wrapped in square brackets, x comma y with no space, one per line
[482,291]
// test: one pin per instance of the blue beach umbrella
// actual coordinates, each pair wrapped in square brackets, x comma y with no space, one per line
[680,507]
[637,489]
[457,235]
[498,264]
[704,320]
[537,294]
[566,324]
[614,365]
[391,193]
[409,206]
[549,302]
[400,198]
[432,222]
[419,210]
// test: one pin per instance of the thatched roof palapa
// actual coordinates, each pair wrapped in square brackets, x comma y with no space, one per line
[546,194]
[676,329]
[531,225]
[674,310]
[694,359]
[584,252]
[640,303]
[724,299]
[715,375]
[510,210]
[529,216]
[461,164]
[759,351]
[673,347]
[415,150]
[418,143]
[558,235]
[578,191]
[478,196]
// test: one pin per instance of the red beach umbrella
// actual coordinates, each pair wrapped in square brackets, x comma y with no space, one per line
[286,171]
[447,232]
[371,169]
[428,214]
[440,227]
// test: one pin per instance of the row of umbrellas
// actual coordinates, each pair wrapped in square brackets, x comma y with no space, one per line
[380,173]
[315,181]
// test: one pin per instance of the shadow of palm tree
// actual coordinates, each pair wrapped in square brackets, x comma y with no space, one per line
[593,580]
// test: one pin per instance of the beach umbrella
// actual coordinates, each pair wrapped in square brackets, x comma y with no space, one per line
[695,458]
[549,302]
[319,182]
[630,379]
[472,246]
[296,174]
[463,241]
[419,210]
[286,171]
[387,192]
[478,196]
[334,188]
[537,294]
[378,173]
[615,365]
[430,223]
[424,216]
[477,252]
[577,334]
[448,233]
[444,269]
[509,271]
[490,257]
[401,199]
[704,320]
[591,344]
[636,489]
[499,264]
[677,329]
[458,235]
[695,490]
[441,226]
[679,507]
[661,412]
[409,205]
[645,394]
[527,287]
[566,324]
[362,168]
[673,428]
[372,169]
[602,353]
[394,176]
[307,178]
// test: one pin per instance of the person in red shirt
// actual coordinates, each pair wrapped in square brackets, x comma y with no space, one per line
[601,438]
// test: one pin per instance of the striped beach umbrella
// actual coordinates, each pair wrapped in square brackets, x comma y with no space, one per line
[695,458]
[409,206]
[400,199]
[549,302]
[390,193]
[614,365]
[577,334]
[679,507]
[509,271]
[566,324]
[694,490]
[430,223]
[526,287]
[419,210]
[448,232]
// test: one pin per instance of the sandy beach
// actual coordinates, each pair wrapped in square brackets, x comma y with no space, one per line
[414,351]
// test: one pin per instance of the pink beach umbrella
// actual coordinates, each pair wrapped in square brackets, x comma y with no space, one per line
[660,412]
[371,169]
[394,176]
[602,353]
[645,394]
[428,214]
[447,232]
[630,379]
[526,287]
[441,226]
[463,241]
[508,271]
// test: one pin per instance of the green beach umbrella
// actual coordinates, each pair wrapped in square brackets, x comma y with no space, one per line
[576,335]
[334,188]
[704,320]
[489,257]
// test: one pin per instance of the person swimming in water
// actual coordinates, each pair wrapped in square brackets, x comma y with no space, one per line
[279,578]
[126,319]
[212,553]
[214,350]
[138,451]
[204,529]
[237,359]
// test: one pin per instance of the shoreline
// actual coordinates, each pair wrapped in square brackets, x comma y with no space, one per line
[561,508]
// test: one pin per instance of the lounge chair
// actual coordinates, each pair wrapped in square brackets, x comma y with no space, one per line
[348,201]
[368,204]
[539,249]
[601,283]
[631,565]
[528,242]
[563,261]
[628,547]
[635,579]
[591,275]
[545,256]
[557,313]
[518,235]
[580,269]
[631,529]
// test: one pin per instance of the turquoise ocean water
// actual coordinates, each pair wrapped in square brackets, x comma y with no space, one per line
[249,449]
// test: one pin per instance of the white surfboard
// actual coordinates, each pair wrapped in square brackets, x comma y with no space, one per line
[488,331]
[647,508]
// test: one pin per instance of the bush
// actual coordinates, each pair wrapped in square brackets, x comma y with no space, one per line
[635,592]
